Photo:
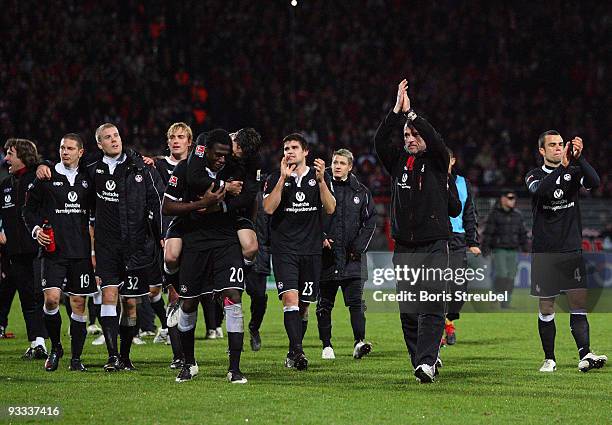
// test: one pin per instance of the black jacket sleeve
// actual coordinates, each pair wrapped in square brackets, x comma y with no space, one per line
[385,150]
[470,219]
[33,208]
[591,179]
[454,204]
[367,225]
[434,142]
[155,192]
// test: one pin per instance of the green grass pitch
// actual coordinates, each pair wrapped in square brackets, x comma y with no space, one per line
[490,377]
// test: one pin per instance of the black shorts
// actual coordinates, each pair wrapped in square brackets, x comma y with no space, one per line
[244,223]
[74,276]
[553,273]
[297,273]
[211,270]
[175,229]
[352,291]
[135,283]
[111,269]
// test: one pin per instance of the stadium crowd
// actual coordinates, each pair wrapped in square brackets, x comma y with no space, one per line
[316,67]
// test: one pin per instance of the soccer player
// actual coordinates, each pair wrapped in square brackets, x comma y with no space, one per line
[211,260]
[22,157]
[127,238]
[557,263]
[464,237]
[64,202]
[179,140]
[347,235]
[296,196]
[420,223]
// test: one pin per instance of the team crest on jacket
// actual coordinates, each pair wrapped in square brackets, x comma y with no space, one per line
[279,285]
[199,150]
[183,289]
[312,182]
[356,199]
[173,181]
[138,178]
[567,177]
[85,184]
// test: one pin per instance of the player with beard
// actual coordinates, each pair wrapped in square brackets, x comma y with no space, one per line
[557,262]
[296,197]
[20,248]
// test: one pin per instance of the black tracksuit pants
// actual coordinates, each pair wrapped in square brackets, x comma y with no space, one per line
[422,321]
[19,272]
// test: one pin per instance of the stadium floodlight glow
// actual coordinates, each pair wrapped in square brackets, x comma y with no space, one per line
[293,3]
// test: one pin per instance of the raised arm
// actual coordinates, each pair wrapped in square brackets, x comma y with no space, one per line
[273,189]
[327,198]
[385,150]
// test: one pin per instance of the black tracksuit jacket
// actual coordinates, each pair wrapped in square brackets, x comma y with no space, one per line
[419,191]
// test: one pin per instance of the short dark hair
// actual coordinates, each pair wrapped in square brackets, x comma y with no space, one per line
[543,136]
[249,141]
[296,137]
[26,151]
[218,136]
[75,137]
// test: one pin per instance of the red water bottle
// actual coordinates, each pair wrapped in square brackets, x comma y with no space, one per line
[48,230]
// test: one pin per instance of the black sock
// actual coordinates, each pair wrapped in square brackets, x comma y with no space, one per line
[547,331]
[78,332]
[126,333]
[160,312]
[110,329]
[358,322]
[175,343]
[304,328]
[53,323]
[258,310]
[579,326]
[325,326]
[293,327]
[235,341]
[188,343]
